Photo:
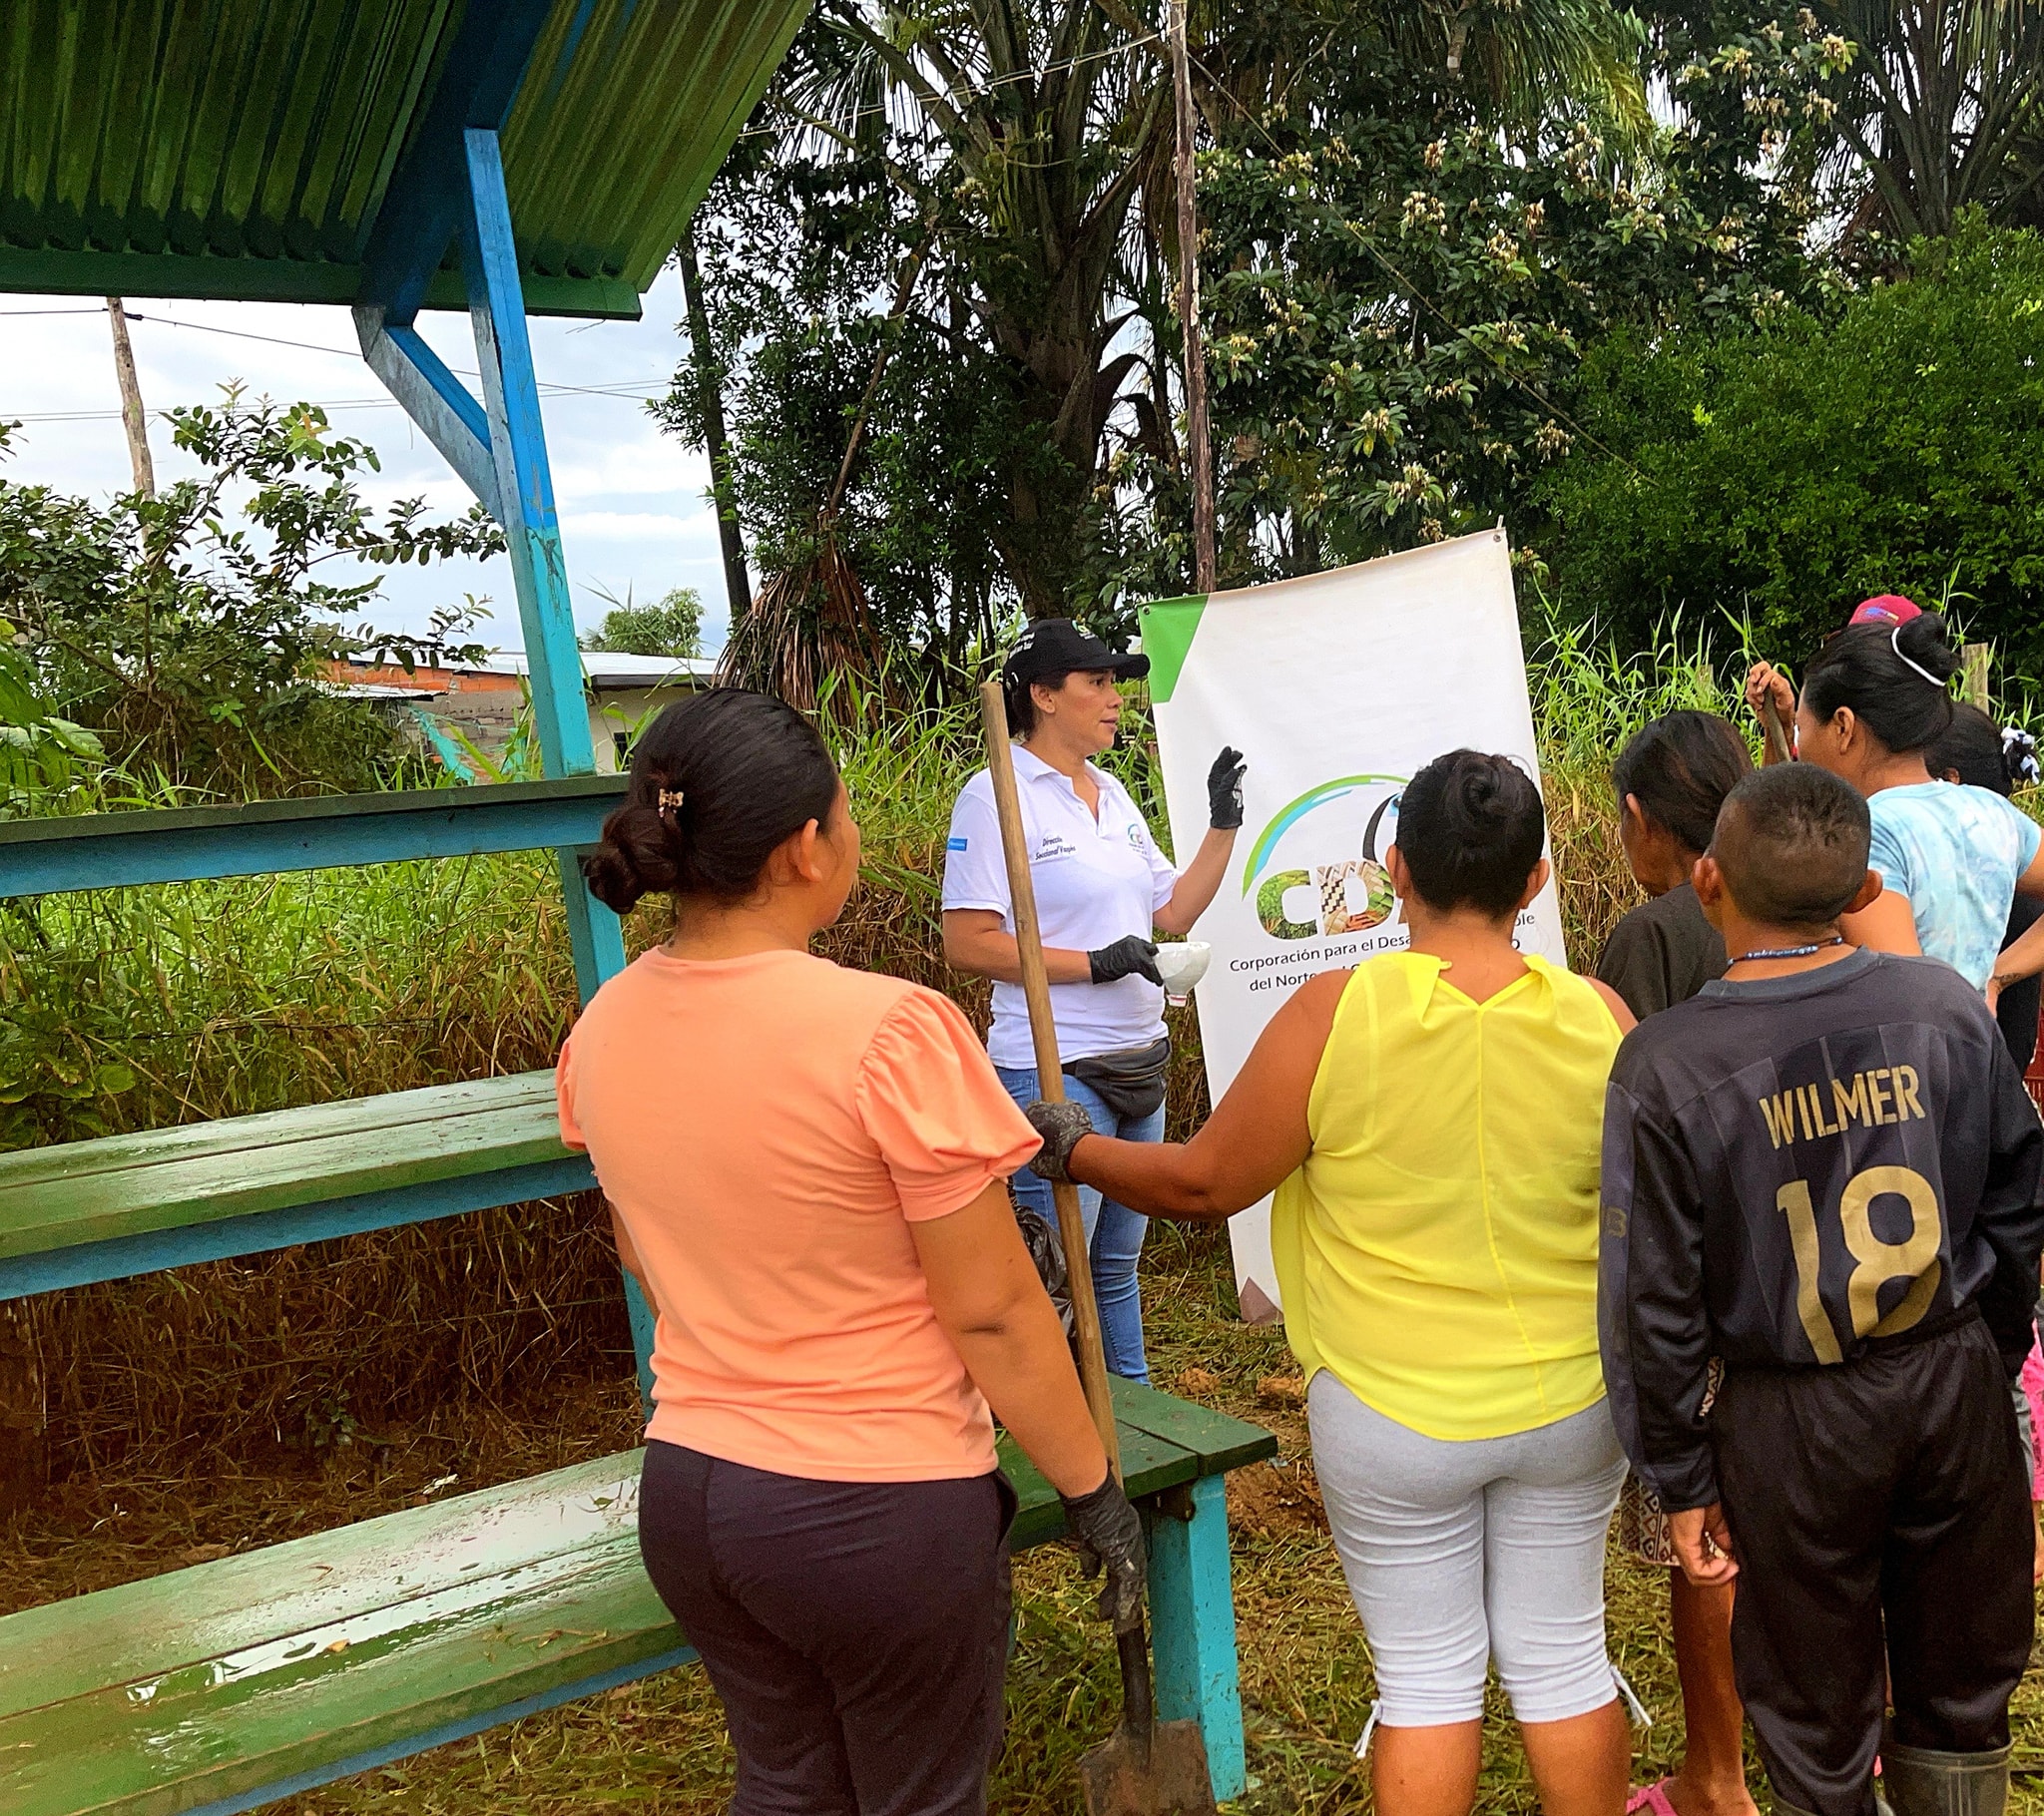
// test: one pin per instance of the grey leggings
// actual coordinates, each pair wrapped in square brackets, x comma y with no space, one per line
[1458,1554]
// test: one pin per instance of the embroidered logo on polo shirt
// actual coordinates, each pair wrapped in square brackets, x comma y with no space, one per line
[955,844]
[1053,846]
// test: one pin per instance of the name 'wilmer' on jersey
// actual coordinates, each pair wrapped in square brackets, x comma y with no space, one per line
[1874,1098]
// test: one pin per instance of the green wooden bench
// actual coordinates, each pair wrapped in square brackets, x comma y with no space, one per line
[131,1203]
[223,1686]
[231,1684]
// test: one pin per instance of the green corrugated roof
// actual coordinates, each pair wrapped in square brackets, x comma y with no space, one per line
[243,148]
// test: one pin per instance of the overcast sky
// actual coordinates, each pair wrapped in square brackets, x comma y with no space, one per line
[630,499]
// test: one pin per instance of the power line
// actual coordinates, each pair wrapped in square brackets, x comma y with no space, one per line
[206,328]
[635,392]
[614,388]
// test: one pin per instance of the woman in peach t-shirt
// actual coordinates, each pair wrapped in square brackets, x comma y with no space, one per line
[806,1169]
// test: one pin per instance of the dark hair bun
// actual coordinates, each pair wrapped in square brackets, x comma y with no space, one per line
[637,857]
[719,781]
[1926,641]
[1892,676]
[1470,830]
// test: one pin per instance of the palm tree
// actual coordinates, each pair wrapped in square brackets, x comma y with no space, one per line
[1035,135]
[1942,107]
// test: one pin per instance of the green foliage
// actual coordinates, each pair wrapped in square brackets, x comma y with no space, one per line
[803,241]
[673,626]
[44,759]
[1788,471]
[191,641]
[1401,290]
[1940,107]
[138,1008]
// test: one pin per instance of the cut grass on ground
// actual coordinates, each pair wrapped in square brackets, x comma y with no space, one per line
[658,1746]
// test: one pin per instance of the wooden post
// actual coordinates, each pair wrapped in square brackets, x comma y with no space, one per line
[1050,1075]
[1198,435]
[1975,659]
[1779,749]
[132,418]
[737,581]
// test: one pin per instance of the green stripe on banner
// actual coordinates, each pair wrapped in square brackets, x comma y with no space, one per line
[1168,626]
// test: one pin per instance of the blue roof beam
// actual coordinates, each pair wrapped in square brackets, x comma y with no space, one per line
[453,421]
[428,196]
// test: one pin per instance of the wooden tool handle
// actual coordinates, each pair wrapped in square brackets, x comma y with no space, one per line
[1778,749]
[1050,1076]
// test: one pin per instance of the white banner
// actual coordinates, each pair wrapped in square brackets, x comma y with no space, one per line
[1337,689]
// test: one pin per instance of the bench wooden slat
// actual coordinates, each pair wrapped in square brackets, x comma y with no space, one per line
[215,1681]
[206,1737]
[164,1623]
[185,844]
[395,1109]
[126,1185]
[1218,1442]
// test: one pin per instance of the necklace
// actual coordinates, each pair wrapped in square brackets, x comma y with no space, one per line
[1789,951]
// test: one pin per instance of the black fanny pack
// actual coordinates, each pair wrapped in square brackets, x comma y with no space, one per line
[1130,1082]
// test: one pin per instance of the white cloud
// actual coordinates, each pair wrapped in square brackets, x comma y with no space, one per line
[630,499]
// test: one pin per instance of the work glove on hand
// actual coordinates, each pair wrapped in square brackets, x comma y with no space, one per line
[1223,791]
[1106,1531]
[1131,955]
[1060,1125]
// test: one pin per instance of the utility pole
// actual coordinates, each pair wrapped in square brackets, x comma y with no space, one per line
[130,401]
[737,581]
[1197,434]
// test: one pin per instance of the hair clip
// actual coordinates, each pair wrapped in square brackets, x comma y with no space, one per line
[670,800]
[1895,643]
[2019,754]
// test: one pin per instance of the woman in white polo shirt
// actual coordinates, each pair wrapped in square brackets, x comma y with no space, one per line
[1101,887]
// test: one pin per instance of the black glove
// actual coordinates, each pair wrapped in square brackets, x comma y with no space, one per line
[1223,791]
[1129,955]
[1061,1125]
[1105,1530]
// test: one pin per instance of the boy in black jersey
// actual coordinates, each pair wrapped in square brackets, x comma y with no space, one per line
[1823,1170]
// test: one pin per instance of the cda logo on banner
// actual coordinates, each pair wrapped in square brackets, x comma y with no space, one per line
[1317,869]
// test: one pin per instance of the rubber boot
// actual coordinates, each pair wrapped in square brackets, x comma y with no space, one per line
[1919,1781]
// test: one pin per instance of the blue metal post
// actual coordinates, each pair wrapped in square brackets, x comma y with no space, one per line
[525,497]
[539,570]
[639,1312]
[1192,1612]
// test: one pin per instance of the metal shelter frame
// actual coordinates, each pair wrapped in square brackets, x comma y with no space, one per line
[85,1223]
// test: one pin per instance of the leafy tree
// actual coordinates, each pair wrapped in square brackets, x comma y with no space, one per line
[673,626]
[799,257]
[1014,155]
[1940,107]
[43,756]
[1405,278]
[1788,470]
[192,642]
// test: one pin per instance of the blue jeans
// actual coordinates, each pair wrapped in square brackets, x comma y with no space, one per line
[1114,1233]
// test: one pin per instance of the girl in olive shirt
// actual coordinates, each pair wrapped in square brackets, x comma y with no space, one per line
[1670,781]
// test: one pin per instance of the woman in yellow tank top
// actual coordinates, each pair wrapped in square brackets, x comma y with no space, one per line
[1430,1122]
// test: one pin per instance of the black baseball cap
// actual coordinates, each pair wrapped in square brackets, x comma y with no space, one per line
[1056,646]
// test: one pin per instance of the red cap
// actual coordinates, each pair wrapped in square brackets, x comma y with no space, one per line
[1886,608]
